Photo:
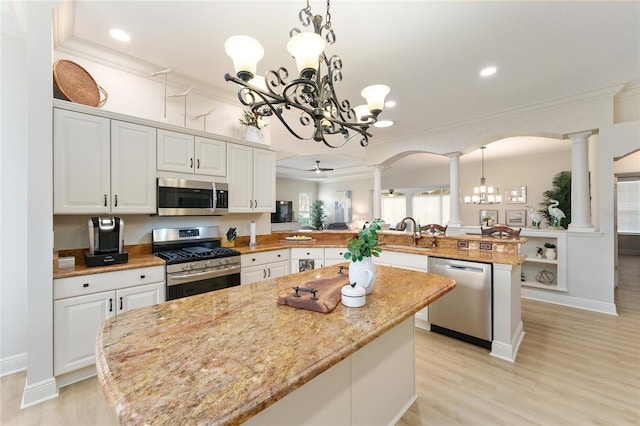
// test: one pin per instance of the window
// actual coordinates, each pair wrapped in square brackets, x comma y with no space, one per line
[393,207]
[628,206]
[304,208]
[431,207]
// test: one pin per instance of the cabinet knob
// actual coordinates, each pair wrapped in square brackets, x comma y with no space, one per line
[85,285]
[279,255]
[253,260]
[142,277]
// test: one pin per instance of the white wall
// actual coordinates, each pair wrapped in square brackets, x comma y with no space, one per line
[288,189]
[13,199]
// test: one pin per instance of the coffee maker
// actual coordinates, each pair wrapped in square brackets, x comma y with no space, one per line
[106,241]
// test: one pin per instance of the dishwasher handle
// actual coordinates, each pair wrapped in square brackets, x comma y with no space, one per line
[459,267]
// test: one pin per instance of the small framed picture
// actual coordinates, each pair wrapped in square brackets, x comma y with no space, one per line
[488,217]
[516,217]
[515,195]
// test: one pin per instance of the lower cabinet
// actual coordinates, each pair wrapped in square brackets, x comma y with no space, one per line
[303,259]
[264,265]
[81,304]
[333,256]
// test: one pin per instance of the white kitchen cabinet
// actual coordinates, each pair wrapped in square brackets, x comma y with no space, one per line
[251,178]
[333,255]
[261,266]
[303,259]
[183,153]
[83,303]
[102,166]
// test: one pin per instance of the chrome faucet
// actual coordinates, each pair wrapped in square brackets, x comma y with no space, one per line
[416,231]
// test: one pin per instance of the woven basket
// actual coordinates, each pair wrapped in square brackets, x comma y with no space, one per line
[73,83]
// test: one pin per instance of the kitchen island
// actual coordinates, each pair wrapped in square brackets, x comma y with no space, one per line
[227,356]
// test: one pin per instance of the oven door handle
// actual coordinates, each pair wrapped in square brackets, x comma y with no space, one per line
[210,273]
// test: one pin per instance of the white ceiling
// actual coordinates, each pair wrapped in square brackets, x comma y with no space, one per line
[429,53]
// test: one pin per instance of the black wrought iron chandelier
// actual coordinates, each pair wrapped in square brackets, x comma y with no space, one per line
[312,93]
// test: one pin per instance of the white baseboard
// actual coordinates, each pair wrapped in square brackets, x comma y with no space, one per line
[570,301]
[509,351]
[39,392]
[13,364]
[76,376]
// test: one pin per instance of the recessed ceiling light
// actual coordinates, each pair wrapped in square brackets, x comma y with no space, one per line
[383,123]
[119,35]
[390,104]
[486,72]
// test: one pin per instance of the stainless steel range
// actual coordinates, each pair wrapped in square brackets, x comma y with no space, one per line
[195,261]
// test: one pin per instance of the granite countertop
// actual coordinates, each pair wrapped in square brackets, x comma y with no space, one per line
[222,357]
[139,257]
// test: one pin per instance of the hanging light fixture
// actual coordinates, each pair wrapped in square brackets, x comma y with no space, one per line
[312,93]
[483,194]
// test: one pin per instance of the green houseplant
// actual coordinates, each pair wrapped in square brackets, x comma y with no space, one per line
[365,244]
[360,249]
[317,215]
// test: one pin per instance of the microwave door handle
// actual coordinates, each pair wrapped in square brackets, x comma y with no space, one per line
[214,202]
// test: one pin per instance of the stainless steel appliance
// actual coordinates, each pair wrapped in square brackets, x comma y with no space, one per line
[106,241]
[195,261]
[466,312]
[181,197]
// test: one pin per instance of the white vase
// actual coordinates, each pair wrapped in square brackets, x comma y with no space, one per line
[363,273]
[253,134]
[550,253]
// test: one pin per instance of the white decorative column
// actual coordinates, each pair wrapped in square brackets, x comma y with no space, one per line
[580,202]
[454,188]
[377,191]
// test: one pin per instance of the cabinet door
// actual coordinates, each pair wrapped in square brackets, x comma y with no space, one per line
[133,168]
[253,274]
[240,178]
[81,165]
[76,323]
[175,152]
[140,296]
[211,157]
[264,181]
[278,269]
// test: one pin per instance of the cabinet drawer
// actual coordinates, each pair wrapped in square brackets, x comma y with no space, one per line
[264,257]
[307,253]
[335,253]
[94,283]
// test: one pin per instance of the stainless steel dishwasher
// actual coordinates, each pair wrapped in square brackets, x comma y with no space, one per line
[466,312]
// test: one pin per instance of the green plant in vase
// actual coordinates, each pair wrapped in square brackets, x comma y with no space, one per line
[365,244]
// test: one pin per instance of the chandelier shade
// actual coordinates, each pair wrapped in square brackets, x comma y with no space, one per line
[245,52]
[312,93]
[484,194]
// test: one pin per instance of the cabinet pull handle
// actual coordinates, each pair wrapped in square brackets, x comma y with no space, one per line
[191,166]
[253,260]
[198,163]
[116,200]
[85,285]
[250,204]
[255,204]
[269,275]
[142,277]
[264,274]
[120,302]
[110,305]
[105,200]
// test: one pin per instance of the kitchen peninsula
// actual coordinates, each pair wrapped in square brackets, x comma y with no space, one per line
[235,355]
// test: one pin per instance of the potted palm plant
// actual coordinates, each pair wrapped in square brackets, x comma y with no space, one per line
[360,249]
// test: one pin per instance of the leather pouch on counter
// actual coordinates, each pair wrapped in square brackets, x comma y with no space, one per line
[324,297]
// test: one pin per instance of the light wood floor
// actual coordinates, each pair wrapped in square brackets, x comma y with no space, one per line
[574,367]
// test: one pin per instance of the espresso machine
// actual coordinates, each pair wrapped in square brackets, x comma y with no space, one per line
[106,241]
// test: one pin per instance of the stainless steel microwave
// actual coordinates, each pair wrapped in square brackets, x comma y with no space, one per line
[182,197]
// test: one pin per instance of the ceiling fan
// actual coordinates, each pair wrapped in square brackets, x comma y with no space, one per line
[319,169]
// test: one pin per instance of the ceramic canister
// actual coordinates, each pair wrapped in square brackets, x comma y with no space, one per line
[353,296]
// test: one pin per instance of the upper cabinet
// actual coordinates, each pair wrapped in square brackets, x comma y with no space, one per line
[102,165]
[179,152]
[251,178]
